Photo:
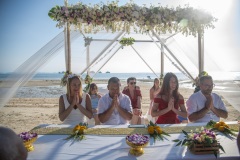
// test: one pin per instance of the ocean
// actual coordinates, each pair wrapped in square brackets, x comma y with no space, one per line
[124,76]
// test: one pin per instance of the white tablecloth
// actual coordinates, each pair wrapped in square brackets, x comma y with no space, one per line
[109,147]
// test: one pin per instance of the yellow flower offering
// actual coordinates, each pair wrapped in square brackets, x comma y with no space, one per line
[221,127]
[78,132]
[156,132]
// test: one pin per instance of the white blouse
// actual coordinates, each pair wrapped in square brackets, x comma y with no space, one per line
[76,116]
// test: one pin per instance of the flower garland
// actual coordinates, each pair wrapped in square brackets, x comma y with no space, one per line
[203,136]
[88,80]
[221,127]
[78,132]
[156,132]
[127,41]
[64,78]
[111,17]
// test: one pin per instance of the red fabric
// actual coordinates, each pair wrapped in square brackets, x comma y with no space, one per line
[134,98]
[170,117]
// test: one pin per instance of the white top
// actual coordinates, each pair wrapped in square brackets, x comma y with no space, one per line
[115,119]
[76,116]
[197,102]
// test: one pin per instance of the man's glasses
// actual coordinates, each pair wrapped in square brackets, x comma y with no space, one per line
[133,83]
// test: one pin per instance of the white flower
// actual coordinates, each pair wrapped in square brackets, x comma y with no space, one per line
[136,14]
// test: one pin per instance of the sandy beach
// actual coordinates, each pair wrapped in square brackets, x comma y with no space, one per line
[37,103]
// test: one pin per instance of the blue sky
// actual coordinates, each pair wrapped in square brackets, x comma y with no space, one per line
[25,28]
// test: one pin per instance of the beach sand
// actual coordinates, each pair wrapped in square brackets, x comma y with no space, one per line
[30,108]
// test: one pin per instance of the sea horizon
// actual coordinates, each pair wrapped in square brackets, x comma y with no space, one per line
[124,76]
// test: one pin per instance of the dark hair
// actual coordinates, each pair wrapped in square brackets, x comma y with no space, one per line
[166,87]
[113,80]
[156,79]
[131,78]
[204,77]
[92,85]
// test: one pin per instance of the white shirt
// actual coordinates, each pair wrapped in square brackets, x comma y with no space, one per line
[76,116]
[197,102]
[115,119]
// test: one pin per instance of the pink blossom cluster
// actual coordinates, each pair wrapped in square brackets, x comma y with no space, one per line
[137,139]
[25,136]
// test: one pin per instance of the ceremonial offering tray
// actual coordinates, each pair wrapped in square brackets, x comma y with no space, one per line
[28,139]
[137,142]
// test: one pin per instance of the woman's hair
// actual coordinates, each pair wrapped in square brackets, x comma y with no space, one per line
[92,85]
[69,80]
[156,79]
[166,86]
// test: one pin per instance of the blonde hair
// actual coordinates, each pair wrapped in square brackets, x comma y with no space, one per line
[69,80]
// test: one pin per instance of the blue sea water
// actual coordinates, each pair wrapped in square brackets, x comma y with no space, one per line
[124,76]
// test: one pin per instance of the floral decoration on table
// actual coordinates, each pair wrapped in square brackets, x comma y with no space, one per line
[127,41]
[28,138]
[201,141]
[137,142]
[156,132]
[221,127]
[64,78]
[88,80]
[111,17]
[78,132]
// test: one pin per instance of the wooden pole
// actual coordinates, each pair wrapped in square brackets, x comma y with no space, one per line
[162,65]
[88,59]
[200,51]
[67,44]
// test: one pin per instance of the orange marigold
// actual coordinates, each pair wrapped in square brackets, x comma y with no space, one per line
[159,130]
[221,128]
[76,128]
[221,123]
[216,125]
[226,126]
[150,129]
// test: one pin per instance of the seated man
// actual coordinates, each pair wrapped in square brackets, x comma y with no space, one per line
[114,107]
[11,146]
[204,105]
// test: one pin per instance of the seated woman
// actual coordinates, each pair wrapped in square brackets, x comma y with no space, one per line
[153,92]
[93,92]
[135,96]
[169,102]
[75,105]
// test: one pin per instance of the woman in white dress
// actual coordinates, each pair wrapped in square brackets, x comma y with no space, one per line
[75,105]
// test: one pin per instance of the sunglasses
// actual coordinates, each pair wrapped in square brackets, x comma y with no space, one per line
[132,83]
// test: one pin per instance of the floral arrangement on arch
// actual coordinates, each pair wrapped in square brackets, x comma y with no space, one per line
[88,80]
[78,132]
[221,127]
[202,136]
[127,41]
[156,132]
[111,17]
[64,78]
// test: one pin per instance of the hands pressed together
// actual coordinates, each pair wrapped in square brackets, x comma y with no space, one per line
[171,104]
[209,102]
[76,101]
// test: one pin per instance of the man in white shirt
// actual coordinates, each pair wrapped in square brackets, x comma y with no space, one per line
[114,108]
[204,105]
